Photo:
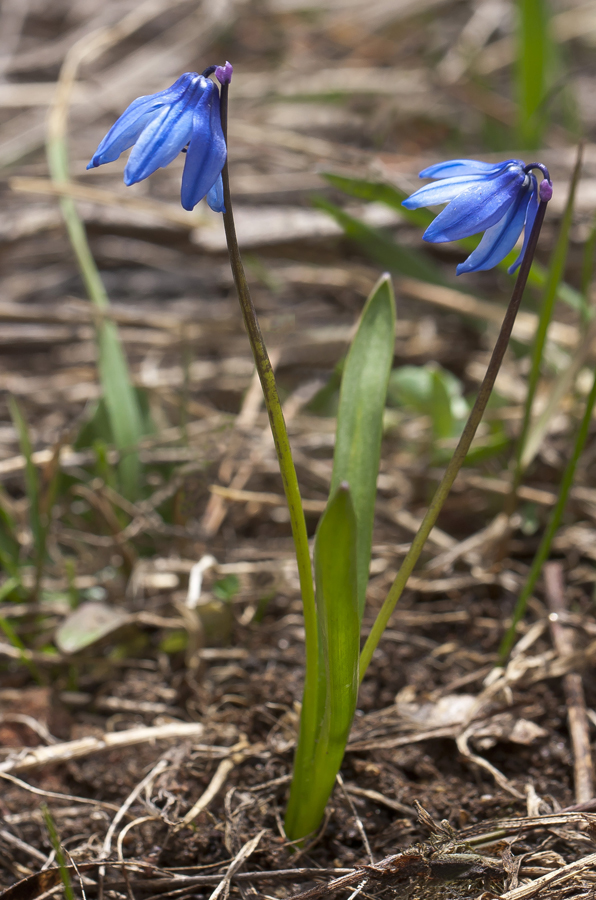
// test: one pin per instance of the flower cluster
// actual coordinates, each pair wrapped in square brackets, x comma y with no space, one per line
[184,116]
[501,200]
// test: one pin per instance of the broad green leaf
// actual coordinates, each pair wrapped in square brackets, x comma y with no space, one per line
[360,416]
[339,629]
[432,391]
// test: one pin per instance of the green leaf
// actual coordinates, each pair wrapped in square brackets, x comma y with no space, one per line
[119,394]
[379,192]
[383,249]
[430,391]
[360,416]
[226,588]
[339,629]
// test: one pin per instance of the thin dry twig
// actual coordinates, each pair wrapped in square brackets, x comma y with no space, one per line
[215,785]
[559,877]
[357,819]
[146,782]
[579,727]
[33,758]
[246,851]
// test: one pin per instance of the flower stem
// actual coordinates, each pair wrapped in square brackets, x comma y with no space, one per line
[308,725]
[461,450]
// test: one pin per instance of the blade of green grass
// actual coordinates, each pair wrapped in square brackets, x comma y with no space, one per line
[60,858]
[553,525]
[9,544]
[360,417]
[339,628]
[120,398]
[383,249]
[13,637]
[534,51]
[587,270]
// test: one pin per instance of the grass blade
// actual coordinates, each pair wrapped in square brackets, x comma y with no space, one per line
[553,525]
[9,544]
[13,637]
[360,416]
[120,397]
[339,629]
[60,858]
[122,406]
[534,50]
[383,249]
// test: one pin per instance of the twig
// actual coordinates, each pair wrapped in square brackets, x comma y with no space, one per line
[148,780]
[357,818]
[579,728]
[560,875]
[502,781]
[215,785]
[243,854]
[32,758]
[54,795]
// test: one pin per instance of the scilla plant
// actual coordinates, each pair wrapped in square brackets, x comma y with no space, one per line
[502,200]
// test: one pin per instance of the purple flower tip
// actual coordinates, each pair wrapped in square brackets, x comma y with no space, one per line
[224,73]
[545,190]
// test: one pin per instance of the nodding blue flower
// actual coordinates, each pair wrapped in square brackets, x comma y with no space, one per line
[161,125]
[501,200]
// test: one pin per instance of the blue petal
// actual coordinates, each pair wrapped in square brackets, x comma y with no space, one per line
[207,151]
[467,167]
[476,208]
[127,129]
[165,135]
[443,192]
[215,196]
[531,211]
[500,238]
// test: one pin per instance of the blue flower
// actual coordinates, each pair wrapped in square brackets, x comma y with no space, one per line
[500,200]
[160,126]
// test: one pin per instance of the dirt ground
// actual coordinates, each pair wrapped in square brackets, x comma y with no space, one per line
[163,746]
